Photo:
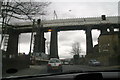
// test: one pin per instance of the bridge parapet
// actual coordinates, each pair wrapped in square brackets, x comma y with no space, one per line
[80,21]
[73,22]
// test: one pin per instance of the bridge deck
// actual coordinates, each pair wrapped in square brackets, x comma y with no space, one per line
[79,23]
[73,21]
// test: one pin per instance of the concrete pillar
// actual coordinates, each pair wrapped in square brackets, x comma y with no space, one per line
[111,29]
[103,31]
[12,48]
[43,50]
[89,42]
[54,44]
[39,42]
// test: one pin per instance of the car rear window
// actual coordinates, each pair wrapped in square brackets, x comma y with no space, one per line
[54,61]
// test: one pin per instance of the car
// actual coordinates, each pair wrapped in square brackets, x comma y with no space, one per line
[94,63]
[54,64]
[66,63]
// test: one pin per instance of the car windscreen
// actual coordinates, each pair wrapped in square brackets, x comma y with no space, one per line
[35,33]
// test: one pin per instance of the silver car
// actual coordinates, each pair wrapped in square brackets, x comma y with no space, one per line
[94,63]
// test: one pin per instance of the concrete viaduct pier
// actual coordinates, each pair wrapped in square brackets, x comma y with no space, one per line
[89,41]
[12,47]
[54,44]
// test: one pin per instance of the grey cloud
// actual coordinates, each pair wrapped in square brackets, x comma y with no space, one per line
[67,38]
[95,39]
[70,35]
[24,38]
[95,35]
[66,43]
[86,9]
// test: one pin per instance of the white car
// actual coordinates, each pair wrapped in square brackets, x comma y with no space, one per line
[66,63]
[54,64]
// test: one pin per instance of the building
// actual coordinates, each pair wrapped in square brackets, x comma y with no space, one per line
[108,43]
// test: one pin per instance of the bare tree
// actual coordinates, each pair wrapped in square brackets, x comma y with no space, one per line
[76,49]
[22,10]
[16,11]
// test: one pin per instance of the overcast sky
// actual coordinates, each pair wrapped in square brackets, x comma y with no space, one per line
[73,9]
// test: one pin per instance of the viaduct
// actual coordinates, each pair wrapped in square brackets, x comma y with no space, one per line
[40,27]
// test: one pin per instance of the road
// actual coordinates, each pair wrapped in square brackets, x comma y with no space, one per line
[42,69]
